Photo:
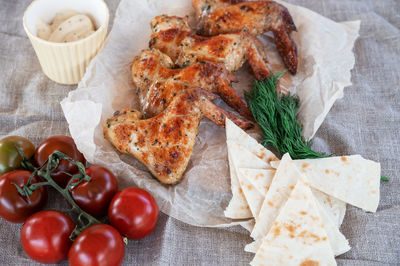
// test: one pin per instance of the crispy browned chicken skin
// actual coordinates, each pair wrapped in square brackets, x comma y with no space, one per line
[157,83]
[255,17]
[173,36]
[164,143]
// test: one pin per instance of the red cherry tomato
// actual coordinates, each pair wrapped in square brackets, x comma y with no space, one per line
[95,196]
[65,145]
[134,212]
[14,207]
[45,236]
[99,244]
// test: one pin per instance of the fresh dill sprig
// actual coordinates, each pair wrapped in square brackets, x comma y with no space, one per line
[276,115]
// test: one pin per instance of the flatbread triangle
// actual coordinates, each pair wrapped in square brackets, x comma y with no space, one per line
[286,177]
[336,208]
[297,236]
[236,134]
[282,185]
[239,157]
[255,184]
[351,179]
[337,240]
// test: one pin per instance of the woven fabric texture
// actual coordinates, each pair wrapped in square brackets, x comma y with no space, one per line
[365,121]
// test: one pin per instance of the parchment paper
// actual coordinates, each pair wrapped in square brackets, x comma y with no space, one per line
[326,58]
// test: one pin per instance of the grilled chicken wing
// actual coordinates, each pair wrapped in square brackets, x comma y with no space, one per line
[173,36]
[255,17]
[164,143]
[157,83]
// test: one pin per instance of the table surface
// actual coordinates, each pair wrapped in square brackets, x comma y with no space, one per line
[365,121]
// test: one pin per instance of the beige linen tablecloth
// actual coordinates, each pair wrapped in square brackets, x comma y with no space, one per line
[366,121]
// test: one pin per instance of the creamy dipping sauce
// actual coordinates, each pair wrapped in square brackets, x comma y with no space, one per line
[66,26]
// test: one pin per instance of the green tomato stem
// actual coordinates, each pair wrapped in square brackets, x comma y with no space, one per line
[25,163]
[35,186]
[45,171]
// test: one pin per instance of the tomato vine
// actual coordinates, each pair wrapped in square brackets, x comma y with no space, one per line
[84,219]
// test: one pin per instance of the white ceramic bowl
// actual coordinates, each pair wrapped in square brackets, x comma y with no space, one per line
[66,62]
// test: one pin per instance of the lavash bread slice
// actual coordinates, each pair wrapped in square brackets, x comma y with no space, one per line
[338,242]
[261,179]
[352,179]
[248,224]
[285,179]
[253,246]
[275,164]
[236,134]
[297,236]
[282,185]
[255,184]
[240,157]
[335,208]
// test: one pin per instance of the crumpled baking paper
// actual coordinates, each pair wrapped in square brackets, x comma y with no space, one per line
[325,60]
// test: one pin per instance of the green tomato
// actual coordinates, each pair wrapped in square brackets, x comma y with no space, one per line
[10,159]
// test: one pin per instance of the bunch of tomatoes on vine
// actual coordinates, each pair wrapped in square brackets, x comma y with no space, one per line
[100,220]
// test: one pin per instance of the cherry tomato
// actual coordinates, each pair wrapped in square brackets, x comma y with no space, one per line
[45,236]
[65,145]
[95,196]
[134,212]
[99,244]
[10,159]
[14,207]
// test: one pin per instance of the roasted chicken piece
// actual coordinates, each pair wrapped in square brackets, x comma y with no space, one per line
[164,143]
[255,17]
[173,36]
[157,83]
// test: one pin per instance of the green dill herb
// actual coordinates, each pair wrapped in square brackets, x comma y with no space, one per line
[276,115]
[384,179]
